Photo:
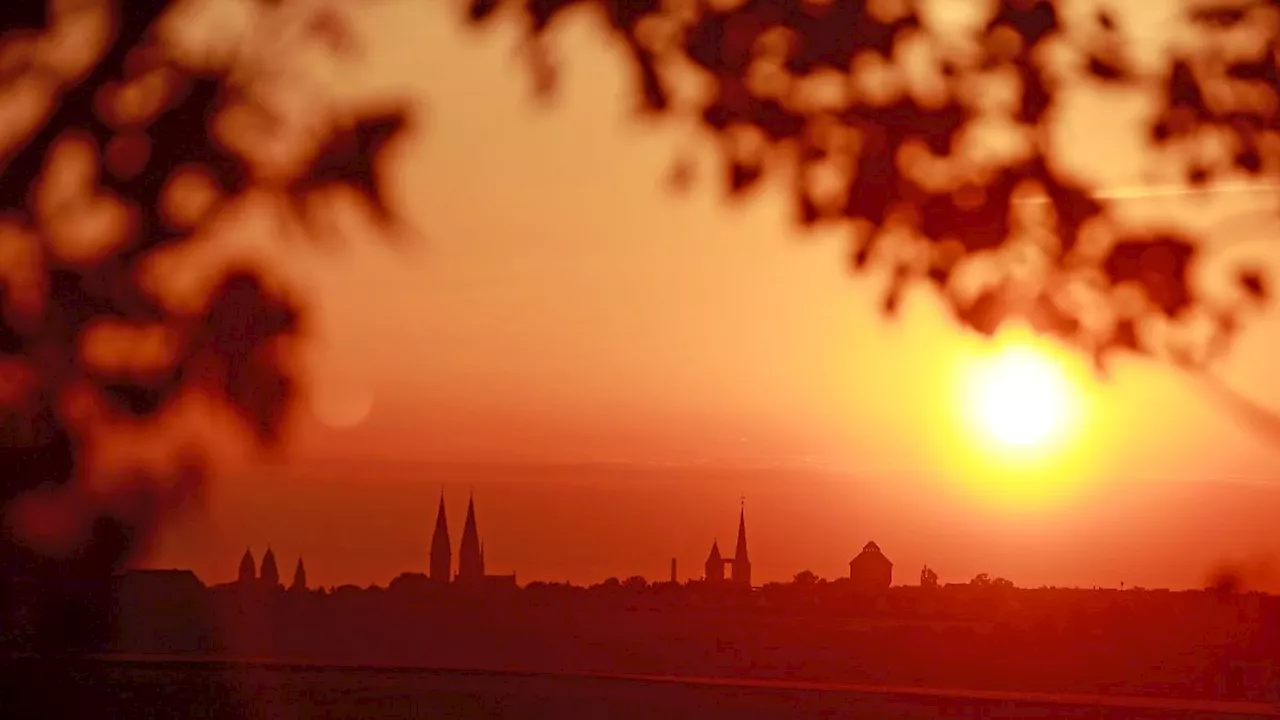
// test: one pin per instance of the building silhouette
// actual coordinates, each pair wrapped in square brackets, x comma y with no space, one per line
[741,561]
[248,569]
[470,552]
[714,568]
[471,561]
[739,564]
[871,570]
[269,574]
[299,583]
[441,567]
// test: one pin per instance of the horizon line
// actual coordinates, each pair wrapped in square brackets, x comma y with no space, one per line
[785,464]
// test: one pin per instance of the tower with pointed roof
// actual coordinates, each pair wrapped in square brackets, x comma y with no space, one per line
[441,553]
[299,578]
[871,570]
[470,556]
[270,574]
[715,564]
[248,569]
[741,560]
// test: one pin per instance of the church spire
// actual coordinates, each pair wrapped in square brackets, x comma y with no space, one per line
[470,559]
[270,574]
[713,569]
[741,560]
[740,552]
[441,554]
[248,569]
[299,578]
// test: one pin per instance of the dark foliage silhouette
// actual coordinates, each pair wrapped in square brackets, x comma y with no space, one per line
[114,159]
[928,577]
[867,112]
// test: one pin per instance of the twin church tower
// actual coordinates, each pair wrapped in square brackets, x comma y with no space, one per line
[470,553]
[739,564]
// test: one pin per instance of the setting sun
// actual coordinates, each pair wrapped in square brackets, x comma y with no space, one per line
[1027,433]
[1021,398]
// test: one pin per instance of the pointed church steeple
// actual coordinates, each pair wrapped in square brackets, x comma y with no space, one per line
[714,567]
[441,552]
[741,560]
[299,578]
[248,569]
[470,559]
[740,552]
[270,575]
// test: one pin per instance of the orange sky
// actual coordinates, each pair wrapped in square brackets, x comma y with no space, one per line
[564,306]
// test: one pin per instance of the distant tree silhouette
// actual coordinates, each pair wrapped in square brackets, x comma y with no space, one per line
[983,580]
[868,112]
[805,577]
[928,578]
[117,157]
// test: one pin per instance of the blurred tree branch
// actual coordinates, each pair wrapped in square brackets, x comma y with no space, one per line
[866,111]
[113,161]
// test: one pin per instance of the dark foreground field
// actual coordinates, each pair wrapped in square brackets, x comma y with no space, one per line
[130,690]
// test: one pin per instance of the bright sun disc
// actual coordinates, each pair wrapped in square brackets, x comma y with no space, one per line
[1021,398]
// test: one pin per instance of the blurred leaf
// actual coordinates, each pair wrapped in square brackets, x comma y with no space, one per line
[1032,19]
[1125,336]
[1106,70]
[939,276]
[1047,317]
[347,158]
[1159,265]
[1254,284]
[261,392]
[1036,97]
[481,9]
[743,176]
[1249,160]
[1221,15]
[136,399]
[807,211]
[986,313]
[242,315]
[1184,90]
[892,300]
[1263,70]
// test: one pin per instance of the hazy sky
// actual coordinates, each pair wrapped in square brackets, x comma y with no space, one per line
[564,306]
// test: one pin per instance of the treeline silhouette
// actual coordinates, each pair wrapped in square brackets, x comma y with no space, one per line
[982,634]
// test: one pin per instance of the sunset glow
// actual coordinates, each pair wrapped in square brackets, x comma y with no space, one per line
[1021,398]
